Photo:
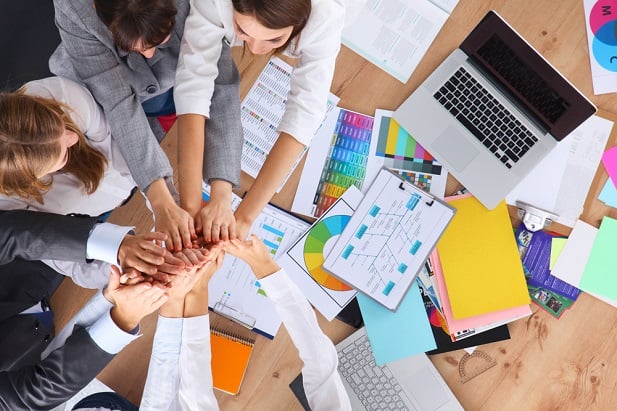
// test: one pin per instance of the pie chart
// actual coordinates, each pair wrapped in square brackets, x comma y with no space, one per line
[316,240]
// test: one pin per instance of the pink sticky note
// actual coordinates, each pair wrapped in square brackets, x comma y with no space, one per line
[609,159]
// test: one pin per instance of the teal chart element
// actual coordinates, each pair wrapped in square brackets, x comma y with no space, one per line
[314,245]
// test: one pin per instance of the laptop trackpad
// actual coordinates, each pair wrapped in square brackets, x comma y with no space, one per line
[454,149]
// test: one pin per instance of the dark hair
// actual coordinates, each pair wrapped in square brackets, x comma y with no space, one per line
[277,14]
[147,22]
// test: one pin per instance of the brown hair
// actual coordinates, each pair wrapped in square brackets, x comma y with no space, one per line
[143,22]
[277,14]
[30,129]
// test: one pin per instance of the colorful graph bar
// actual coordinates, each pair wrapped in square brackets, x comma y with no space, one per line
[346,164]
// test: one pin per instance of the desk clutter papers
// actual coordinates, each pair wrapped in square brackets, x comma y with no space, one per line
[476,246]
[600,19]
[573,162]
[234,292]
[351,148]
[304,258]
[261,112]
[549,292]
[463,327]
[395,34]
[388,238]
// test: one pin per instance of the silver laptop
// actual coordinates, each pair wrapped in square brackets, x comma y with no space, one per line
[492,110]
[411,383]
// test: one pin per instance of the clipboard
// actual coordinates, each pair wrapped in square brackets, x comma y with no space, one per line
[388,239]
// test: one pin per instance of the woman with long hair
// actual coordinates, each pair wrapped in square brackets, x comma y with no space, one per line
[309,30]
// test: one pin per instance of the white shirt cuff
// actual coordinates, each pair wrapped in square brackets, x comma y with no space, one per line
[108,336]
[104,242]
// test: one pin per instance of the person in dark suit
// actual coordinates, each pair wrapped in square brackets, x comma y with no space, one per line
[26,328]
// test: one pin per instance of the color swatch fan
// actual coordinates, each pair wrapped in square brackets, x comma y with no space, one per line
[304,259]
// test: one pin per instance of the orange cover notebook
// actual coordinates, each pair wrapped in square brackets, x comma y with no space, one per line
[230,357]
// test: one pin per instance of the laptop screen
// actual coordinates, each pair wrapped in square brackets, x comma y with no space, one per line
[555,104]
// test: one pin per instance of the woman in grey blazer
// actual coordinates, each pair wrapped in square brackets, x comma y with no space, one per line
[125,53]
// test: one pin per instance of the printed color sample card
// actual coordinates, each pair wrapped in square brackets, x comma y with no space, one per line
[348,156]
[397,150]
[388,239]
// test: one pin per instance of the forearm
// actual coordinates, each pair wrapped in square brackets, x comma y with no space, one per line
[196,302]
[158,194]
[190,160]
[276,167]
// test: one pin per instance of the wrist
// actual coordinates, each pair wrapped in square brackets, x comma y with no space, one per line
[173,308]
[220,190]
[124,322]
[158,194]
[265,268]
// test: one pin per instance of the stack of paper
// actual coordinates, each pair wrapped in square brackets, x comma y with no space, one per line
[481,266]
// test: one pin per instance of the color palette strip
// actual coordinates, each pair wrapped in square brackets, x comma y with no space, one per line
[346,164]
[401,151]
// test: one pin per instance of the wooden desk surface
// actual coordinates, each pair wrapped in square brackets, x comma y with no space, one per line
[566,364]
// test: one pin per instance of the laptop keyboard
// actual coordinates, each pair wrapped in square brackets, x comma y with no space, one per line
[485,117]
[373,384]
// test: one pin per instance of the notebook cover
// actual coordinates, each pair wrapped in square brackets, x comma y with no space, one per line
[230,357]
[480,260]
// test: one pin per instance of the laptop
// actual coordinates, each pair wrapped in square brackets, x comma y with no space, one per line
[492,110]
[412,383]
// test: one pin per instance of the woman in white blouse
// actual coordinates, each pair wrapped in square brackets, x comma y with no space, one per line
[309,30]
[57,155]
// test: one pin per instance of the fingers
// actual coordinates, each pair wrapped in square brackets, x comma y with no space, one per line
[114,278]
[187,232]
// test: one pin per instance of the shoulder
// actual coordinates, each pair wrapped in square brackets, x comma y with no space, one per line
[322,33]
[84,109]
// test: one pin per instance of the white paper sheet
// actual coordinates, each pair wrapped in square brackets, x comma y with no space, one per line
[395,34]
[600,25]
[559,184]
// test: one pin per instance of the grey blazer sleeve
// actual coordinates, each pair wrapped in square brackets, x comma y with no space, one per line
[32,235]
[94,64]
[56,378]
[223,135]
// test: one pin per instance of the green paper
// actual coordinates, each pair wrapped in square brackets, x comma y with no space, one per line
[600,275]
[556,247]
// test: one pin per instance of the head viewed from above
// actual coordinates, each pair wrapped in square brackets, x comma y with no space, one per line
[269,25]
[138,25]
[37,138]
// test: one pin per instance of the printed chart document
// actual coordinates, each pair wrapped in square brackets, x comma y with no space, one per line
[261,112]
[395,34]
[234,292]
[600,19]
[304,259]
[388,239]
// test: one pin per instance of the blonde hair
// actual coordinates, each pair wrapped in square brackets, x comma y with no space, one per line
[30,131]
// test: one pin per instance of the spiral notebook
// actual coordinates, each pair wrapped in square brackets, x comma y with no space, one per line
[230,358]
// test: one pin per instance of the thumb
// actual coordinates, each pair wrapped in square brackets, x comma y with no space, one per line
[114,278]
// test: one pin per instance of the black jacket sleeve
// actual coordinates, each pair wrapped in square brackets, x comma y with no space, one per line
[33,235]
[56,378]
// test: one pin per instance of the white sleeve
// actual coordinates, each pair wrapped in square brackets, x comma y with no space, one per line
[199,53]
[318,46]
[104,242]
[160,391]
[322,382]
[94,275]
[196,390]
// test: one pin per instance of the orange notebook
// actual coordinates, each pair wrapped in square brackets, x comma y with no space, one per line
[230,357]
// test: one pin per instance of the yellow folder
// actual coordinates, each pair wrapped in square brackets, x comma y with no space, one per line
[480,260]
